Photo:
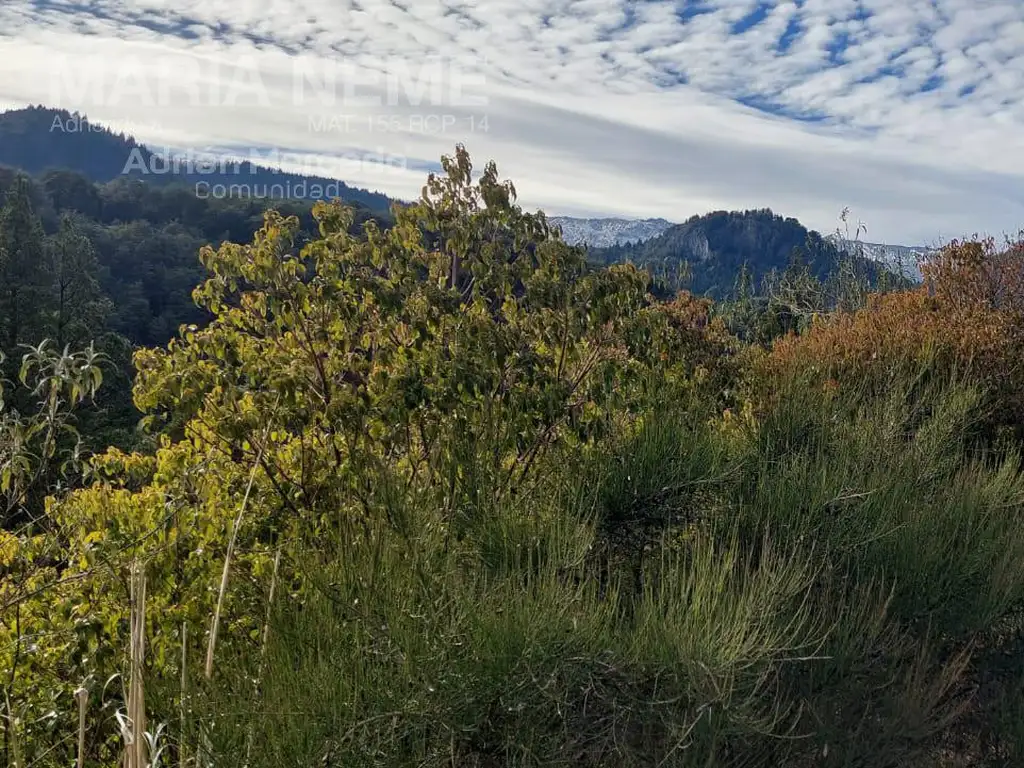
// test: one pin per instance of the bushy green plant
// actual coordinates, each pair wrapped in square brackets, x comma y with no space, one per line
[39,452]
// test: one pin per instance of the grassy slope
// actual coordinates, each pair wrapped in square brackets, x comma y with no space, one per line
[826,589]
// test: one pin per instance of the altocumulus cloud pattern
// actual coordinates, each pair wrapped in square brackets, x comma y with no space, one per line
[910,113]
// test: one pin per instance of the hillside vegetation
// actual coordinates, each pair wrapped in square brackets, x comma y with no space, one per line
[441,493]
[706,253]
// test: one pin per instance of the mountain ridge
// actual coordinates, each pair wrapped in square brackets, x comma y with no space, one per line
[606,231]
[708,252]
[610,232]
[37,138]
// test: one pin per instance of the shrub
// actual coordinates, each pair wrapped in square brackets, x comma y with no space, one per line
[966,321]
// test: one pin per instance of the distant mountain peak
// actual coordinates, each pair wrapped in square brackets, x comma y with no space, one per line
[604,232]
[707,253]
[903,259]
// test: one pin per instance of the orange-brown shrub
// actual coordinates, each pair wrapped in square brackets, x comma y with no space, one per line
[966,319]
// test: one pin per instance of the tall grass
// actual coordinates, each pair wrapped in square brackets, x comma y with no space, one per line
[807,594]
[888,489]
[392,662]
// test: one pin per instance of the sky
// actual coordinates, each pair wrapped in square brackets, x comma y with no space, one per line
[910,114]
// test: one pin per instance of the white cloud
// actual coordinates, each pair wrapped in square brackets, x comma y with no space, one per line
[913,112]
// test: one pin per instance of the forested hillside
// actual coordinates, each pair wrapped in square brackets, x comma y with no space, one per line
[39,139]
[707,253]
[145,239]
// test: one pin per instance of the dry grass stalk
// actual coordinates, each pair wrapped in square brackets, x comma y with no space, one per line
[263,641]
[12,734]
[227,565]
[270,608]
[135,755]
[182,756]
[83,700]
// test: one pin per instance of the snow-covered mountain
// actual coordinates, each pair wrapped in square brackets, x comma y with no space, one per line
[904,259]
[601,233]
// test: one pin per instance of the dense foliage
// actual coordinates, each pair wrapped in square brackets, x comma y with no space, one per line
[442,493]
[145,239]
[113,264]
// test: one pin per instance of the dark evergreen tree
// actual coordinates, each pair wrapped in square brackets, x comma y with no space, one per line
[24,286]
[79,310]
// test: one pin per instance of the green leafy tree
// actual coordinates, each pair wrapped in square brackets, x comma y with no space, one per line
[448,353]
[39,444]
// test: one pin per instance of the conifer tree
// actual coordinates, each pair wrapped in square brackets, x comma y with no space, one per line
[23,273]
